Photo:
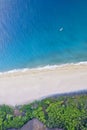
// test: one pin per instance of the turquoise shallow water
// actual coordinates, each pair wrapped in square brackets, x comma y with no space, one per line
[42,32]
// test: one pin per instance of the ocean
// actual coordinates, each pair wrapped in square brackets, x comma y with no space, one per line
[38,33]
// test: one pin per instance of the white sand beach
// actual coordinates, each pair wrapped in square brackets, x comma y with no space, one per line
[22,87]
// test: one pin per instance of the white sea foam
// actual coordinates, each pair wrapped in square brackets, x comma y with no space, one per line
[47,67]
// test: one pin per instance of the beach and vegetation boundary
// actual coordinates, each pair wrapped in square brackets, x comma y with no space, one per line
[68,112]
[19,87]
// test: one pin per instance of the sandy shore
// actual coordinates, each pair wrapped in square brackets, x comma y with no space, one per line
[22,87]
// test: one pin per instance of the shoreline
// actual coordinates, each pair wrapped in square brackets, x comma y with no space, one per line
[24,87]
[46,67]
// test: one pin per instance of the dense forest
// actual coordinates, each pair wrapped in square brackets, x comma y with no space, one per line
[68,112]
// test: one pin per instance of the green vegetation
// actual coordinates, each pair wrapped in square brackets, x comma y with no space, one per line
[67,112]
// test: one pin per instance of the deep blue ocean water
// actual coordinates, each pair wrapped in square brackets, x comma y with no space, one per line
[42,32]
